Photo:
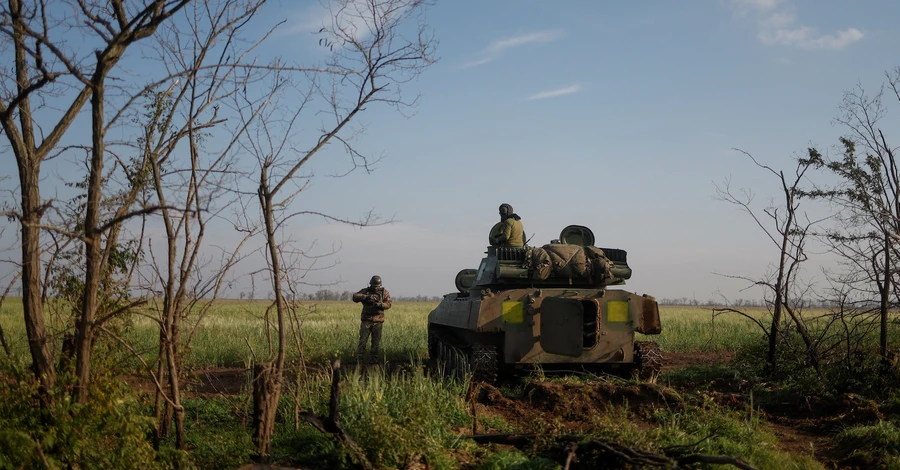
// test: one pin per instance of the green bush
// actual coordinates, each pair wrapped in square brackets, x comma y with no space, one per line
[107,431]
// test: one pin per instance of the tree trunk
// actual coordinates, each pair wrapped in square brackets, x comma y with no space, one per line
[266,391]
[41,360]
[885,301]
[773,335]
[29,166]
[780,284]
[174,387]
[93,252]
[270,378]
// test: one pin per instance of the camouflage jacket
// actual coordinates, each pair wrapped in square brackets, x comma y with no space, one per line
[375,301]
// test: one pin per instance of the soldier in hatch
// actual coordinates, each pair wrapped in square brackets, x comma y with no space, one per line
[509,231]
[375,299]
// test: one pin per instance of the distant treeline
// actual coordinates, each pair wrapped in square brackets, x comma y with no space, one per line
[328,294]
[684,301]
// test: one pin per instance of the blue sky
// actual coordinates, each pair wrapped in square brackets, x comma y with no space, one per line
[616,115]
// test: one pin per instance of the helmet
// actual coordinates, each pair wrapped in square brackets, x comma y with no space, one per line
[375,281]
[506,209]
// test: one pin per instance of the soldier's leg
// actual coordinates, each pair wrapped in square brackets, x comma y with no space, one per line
[363,339]
[376,340]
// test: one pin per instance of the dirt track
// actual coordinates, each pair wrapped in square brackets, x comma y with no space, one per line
[800,431]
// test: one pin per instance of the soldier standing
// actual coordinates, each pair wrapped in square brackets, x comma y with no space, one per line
[375,299]
[509,231]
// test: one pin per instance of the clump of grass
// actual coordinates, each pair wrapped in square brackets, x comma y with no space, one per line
[395,418]
[215,433]
[877,445]
[720,431]
[515,460]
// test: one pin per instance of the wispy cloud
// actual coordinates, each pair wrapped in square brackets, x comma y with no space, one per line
[495,49]
[777,25]
[575,88]
[808,38]
[355,20]
[539,37]
[476,63]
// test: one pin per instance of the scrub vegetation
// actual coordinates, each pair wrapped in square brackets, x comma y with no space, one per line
[710,400]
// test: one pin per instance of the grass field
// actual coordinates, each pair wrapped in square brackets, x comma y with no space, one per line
[330,329]
[402,415]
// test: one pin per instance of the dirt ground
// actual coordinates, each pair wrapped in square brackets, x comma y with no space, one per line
[801,430]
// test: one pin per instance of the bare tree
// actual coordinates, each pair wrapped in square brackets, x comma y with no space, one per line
[45,65]
[189,150]
[868,200]
[372,57]
[787,229]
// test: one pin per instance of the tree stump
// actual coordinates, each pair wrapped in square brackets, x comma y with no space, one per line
[266,388]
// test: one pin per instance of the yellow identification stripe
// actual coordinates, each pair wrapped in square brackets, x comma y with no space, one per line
[617,311]
[513,312]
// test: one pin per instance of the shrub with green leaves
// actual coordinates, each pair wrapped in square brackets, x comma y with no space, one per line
[108,431]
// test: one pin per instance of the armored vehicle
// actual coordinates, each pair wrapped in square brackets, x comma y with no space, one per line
[549,306]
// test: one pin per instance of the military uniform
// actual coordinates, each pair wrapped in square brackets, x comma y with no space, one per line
[375,299]
[509,231]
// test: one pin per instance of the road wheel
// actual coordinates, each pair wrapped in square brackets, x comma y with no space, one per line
[433,353]
[648,359]
[485,363]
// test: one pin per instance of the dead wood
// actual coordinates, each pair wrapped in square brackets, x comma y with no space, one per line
[331,424]
[570,449]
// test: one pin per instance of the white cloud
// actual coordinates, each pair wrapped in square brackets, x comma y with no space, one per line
[554,93]
[777,24]
[476,63]
[498,47]
[540,37]
[805,37]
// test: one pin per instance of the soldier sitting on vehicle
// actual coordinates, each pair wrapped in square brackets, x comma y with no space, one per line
[509,231]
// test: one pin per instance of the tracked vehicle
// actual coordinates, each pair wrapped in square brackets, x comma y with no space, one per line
[550,306]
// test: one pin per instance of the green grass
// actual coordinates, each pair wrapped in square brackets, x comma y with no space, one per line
[876,445]
[695,329]
[330,329]
[719,431]
[401,418]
